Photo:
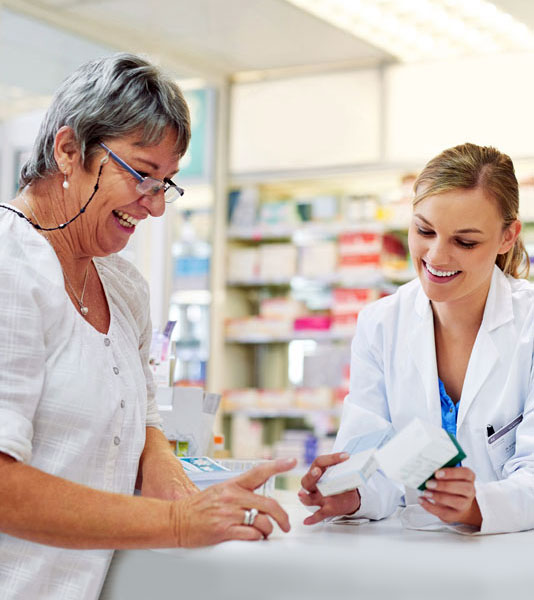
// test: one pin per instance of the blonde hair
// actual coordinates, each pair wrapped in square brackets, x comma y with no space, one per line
[469,166]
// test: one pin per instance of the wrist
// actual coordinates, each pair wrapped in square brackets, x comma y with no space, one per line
[179,523]
[473,516]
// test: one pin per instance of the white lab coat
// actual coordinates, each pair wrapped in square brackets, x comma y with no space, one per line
[394,378]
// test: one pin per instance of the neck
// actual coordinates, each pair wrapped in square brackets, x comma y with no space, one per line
[45,206]
[460,317]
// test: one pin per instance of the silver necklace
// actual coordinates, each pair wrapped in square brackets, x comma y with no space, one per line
[83,309]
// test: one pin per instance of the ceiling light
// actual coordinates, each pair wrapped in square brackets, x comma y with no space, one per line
[413,30]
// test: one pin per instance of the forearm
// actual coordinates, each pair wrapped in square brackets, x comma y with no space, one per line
[51,510]
[161,474]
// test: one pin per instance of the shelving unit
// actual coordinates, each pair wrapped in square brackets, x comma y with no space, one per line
[263,367]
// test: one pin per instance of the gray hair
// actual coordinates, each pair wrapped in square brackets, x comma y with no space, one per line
[109,98]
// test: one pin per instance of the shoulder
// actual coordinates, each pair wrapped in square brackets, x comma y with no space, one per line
[522,296]
[24,251]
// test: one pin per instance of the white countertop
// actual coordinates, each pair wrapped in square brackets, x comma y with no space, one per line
[376,561]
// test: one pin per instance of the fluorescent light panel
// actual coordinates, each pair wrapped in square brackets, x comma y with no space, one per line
[415,30]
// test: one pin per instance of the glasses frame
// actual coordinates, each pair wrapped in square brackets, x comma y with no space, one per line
[164,184]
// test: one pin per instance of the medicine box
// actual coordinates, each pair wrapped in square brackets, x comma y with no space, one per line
[357,469]
[417,452]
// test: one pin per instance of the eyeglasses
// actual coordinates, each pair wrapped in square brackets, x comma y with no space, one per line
[149,186]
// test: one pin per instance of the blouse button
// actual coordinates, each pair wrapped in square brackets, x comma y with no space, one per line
[116,440]
[107,342]
[116,370]
[122,403]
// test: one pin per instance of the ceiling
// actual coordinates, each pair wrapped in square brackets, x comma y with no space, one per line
[41,41]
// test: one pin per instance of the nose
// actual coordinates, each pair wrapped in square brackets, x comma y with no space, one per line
[155,205]
[437,253]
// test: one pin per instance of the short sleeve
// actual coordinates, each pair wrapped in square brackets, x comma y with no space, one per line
[23,271]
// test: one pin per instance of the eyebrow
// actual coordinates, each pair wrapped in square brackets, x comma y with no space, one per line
[155,166]
[465,230]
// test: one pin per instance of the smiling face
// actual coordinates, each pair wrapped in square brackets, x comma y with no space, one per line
[117,207]
[454,239]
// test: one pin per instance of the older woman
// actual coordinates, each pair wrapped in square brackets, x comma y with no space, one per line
[78,419]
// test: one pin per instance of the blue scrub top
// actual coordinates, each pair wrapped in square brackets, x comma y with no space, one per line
[449,410]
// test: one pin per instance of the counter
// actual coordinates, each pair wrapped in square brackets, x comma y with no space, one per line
[375,561]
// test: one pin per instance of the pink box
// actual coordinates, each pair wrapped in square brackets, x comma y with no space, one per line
[315,323]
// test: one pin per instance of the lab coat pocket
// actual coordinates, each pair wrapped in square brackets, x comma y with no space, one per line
[501,444]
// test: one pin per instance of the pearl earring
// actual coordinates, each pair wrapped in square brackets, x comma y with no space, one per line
[66,184]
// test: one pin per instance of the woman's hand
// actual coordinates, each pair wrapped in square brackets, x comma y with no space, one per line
[451,496]
[329,506]
[217,513]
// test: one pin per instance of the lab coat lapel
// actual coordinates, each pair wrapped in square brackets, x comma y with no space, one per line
[485,353]
[423,352]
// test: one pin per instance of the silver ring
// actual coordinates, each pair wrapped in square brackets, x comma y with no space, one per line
[250,516]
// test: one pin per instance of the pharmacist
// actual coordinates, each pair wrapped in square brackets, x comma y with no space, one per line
[455,348]
[78,419]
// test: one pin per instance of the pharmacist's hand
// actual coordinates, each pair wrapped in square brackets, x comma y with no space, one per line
[165,478]
[329,506]
[451,496]
[216,514]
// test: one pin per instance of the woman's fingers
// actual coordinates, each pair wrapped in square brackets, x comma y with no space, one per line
[455,488]
[257,476]
[245,533]
[455,474]
[263,525]
[310,498]
[267,506]
[319,466]
[346,503]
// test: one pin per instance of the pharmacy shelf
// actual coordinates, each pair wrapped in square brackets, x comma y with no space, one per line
[288,413]
[259,282]
[301,233]
[317,336]
[370,279]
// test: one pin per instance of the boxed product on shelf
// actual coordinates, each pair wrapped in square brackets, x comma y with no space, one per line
[240,399]
[324,207]
[325,365]
[359,267]
[359,242]
[360,209]
[278,213]
[243,206]
[359,254]
[312,323]
[258,327]
[277,261]
[243,264]
[314,398]
[277,399]
[318,260]
[346,304]
[344,324]
[352,300]
[247,438]
[281,307]
[295,443]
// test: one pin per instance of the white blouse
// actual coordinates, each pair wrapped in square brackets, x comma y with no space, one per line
[73,402]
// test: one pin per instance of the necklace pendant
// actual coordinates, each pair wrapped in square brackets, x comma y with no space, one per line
[84,310]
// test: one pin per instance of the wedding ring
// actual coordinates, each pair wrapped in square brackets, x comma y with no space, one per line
[253,515]
[250,516]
